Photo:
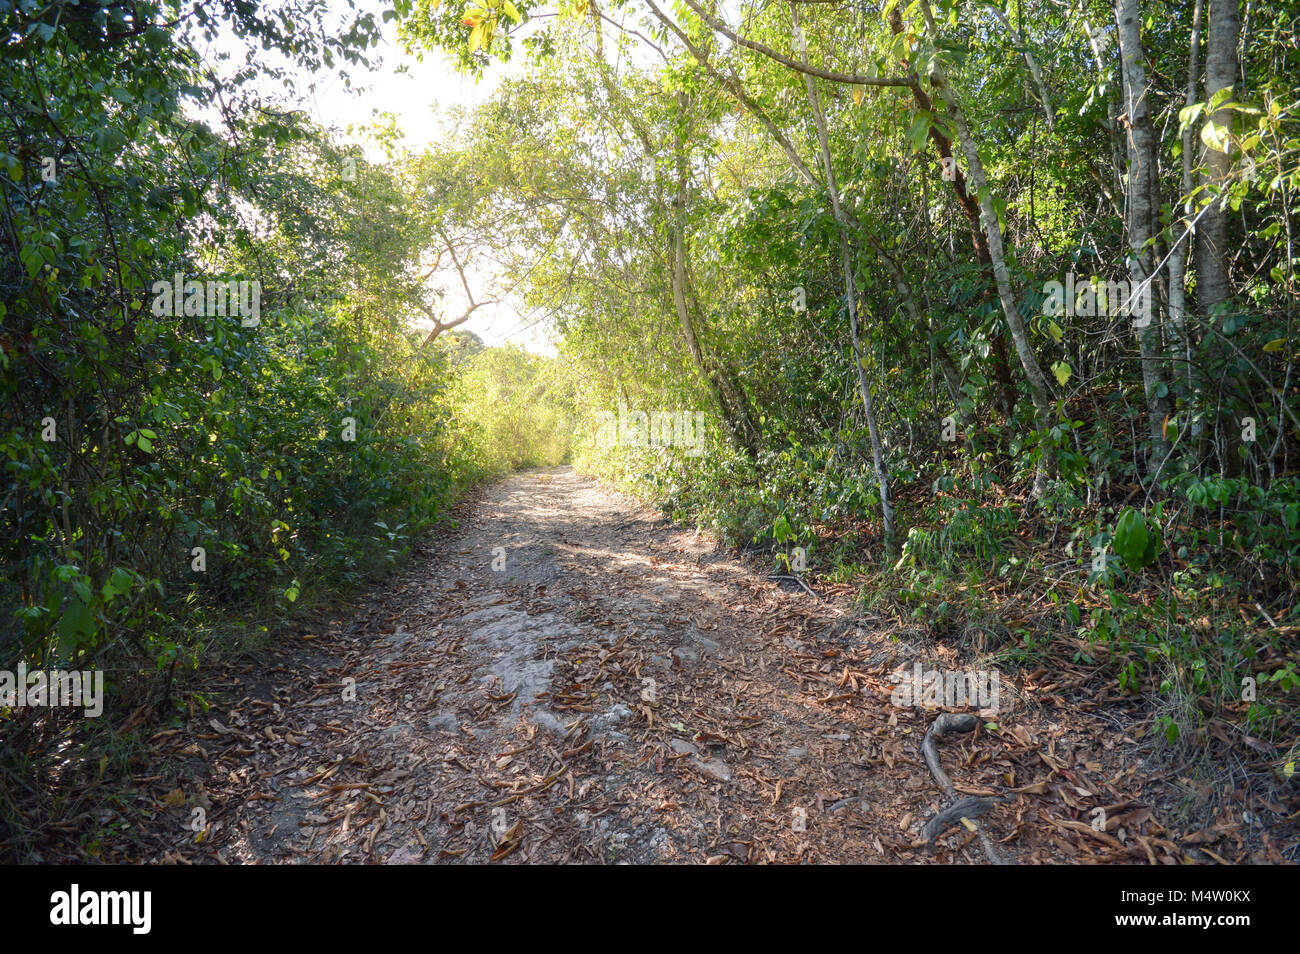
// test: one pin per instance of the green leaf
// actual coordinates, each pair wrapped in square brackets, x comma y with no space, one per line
[76,626]
[1216,137]
[1188,114]
[31,259]
[1133,540]
[120,582]
[918,131]
[1000,208]
[782,529]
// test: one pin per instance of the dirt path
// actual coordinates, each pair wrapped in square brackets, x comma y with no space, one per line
[617,690]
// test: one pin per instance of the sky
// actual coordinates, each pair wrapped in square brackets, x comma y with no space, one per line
[418,94]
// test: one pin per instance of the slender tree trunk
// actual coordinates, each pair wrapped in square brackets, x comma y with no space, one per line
[1038,386]
[850,293]
[1032,63]
[1143,219]
[1006,387]
[731,403]
[1212,283]
[1180,339]
[1097,43]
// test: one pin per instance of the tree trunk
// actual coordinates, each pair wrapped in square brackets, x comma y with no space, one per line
[730,401]
[1212,283]
[1006,387]
[1180,339]
[1097,42]
[1038,387]
[1143,219]
[850,293]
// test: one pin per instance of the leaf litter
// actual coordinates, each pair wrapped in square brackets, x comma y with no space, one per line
[625,691]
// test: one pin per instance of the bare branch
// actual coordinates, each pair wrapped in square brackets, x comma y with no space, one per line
[439,326]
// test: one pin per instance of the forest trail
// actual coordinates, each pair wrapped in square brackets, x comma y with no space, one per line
[620,690]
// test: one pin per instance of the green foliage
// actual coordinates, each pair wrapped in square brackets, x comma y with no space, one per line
[512,410]
[1133,540]
[172,477]
[674,219]
[622,168]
